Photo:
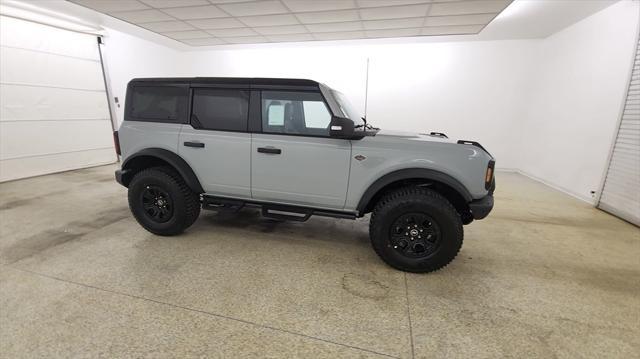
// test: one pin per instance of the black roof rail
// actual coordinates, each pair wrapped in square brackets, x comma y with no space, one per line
[233,80]
[439,134]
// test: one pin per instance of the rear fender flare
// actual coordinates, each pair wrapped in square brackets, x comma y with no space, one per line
[175,161]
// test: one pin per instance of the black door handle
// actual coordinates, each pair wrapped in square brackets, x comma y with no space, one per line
[275,151]
[194,144]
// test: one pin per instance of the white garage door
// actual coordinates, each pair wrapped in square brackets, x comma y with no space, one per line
[53,107]
[621,192]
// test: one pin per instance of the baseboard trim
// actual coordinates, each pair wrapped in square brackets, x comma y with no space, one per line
[507,169]
[588,200]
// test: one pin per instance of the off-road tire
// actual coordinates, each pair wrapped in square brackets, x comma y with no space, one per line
[185,203]
[408,200]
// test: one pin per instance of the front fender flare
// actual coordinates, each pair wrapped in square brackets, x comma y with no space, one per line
[410,174]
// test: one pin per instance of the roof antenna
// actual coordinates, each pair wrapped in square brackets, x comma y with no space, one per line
[366,91]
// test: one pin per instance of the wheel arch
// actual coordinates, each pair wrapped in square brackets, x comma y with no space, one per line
[152,157]
[446,185]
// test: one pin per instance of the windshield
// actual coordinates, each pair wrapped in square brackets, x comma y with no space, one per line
[347,108]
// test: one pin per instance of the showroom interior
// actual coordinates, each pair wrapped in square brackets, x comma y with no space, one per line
[549,89]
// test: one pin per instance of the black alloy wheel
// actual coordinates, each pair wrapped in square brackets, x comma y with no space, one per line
[157,204]
[415,235]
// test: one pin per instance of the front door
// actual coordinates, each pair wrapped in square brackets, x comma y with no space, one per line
[216,143]
[293,160]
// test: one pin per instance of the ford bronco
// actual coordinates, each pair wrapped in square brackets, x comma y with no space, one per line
[296,148]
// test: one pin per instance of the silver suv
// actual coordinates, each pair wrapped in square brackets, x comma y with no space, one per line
[296,148]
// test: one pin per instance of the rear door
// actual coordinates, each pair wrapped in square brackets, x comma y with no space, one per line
[293,160]
[216,143]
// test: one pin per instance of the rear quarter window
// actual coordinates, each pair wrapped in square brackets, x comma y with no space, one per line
[159,103]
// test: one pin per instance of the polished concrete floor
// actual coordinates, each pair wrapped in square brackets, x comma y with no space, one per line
[544,276]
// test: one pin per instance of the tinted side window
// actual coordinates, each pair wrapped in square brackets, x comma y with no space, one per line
[162,103]
[220,109]
[298,113]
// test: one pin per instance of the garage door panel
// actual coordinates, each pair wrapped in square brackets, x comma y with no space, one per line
[623,146]
[633,102]
[620,193]
[21,139]
[41,69]
[630,126]
[625,165]
[27,35]
[54,114]
[631,135]
[625,182]
[34,166]
[626,208]
[27,103]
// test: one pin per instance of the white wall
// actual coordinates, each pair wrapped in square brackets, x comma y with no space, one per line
[578,88]
[468,90]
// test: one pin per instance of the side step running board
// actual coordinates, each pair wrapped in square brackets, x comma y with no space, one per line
[286,213]
[277,211]
[221,204]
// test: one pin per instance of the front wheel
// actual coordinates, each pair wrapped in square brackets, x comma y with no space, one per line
[161,201]
[415,229]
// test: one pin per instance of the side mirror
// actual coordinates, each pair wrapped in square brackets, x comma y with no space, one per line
[341,127]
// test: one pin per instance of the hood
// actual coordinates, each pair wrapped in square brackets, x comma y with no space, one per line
[399,137]
[413,136]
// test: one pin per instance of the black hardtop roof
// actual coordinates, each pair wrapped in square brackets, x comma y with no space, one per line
[232,81]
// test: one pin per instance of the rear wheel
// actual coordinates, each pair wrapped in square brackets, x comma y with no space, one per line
[161,201]
[415,229]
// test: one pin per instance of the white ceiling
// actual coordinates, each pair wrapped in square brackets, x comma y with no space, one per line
[541,18]
[220,22]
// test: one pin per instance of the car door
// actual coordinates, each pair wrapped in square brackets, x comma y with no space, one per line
[293,159]
[216,143]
